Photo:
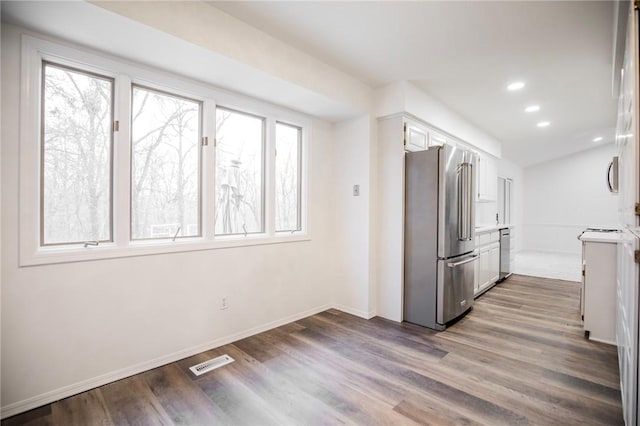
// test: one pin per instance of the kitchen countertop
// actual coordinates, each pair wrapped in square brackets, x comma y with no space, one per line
[601,237]
[490,228]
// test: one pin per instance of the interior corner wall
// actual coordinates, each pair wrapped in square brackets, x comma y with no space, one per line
[352,166]
[562,197]
[390,218]
[93,322]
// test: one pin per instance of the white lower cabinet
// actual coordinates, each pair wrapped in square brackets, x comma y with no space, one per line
[599,263]
[489,265]
[487,268]
[494,262]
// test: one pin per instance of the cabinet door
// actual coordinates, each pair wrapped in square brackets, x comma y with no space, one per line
[487,178]
[415,136]
[494,263]
[488,265]
[485,267]
[436,139]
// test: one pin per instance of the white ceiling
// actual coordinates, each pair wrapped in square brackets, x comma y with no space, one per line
[464,53]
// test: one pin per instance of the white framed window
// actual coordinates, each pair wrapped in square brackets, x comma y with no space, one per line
[166,130]
[288,178]
[239,176]
[157,181]
[76,143]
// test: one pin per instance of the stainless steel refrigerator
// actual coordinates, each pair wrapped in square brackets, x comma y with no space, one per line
[439,235]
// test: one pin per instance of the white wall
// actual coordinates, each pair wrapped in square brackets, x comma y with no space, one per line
[354,216]
[70,327]
[564,196]
[390,218]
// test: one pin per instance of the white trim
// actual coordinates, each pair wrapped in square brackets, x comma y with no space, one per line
[265,164]
[122,165]
[185,97]
[357,312]
[152,247]
[85,385]
[606,342]
[31,253]
[269,183]
[208,167]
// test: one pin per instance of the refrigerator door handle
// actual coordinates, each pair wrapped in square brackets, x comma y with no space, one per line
[460,197]
[465,203]
[462,262]
[470,207]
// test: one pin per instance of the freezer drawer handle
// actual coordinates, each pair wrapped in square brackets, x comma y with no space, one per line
[462,262]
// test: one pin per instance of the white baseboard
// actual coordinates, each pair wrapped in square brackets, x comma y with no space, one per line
[85,385]
[607,342]
[356,312]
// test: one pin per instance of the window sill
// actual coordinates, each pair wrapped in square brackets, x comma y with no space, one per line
[48,256]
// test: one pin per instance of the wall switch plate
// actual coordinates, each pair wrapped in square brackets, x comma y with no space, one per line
[356,190]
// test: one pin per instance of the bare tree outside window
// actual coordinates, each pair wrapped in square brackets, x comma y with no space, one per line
[165,165]
[77,116]
[288,141]
[239,173]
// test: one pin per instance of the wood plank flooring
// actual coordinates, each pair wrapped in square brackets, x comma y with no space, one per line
[518,358]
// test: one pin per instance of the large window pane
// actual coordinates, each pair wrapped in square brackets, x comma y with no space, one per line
[165,186]
[288,141]
[239,173]
[76,156]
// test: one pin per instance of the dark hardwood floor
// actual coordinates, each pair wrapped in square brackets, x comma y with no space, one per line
[519,357]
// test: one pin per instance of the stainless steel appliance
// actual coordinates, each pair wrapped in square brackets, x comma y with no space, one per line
[505,248]
[439,235]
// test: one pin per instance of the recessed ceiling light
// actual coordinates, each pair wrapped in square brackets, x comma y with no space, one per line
[532,108]
[598,139]
[543,124]
[517,85]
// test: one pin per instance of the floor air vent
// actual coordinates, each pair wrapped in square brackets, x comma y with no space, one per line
[212,364]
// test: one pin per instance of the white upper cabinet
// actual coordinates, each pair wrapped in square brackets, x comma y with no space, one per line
[436,139]
[416,136]
[487,178]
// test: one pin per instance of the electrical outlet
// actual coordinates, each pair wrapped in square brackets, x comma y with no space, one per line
[224,303]
[356,190]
